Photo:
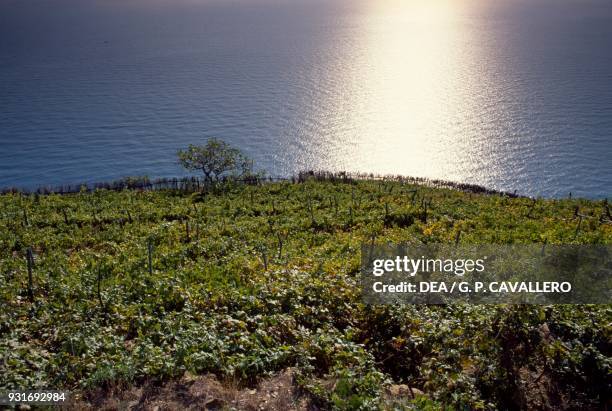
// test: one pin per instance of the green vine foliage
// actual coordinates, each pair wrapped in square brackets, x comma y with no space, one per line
[246,281]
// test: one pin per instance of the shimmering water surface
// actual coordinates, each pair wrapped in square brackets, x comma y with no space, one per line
[510,94]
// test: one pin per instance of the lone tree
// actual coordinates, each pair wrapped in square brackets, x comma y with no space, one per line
[216,159]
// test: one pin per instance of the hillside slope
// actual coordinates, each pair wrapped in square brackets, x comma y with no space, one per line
[247,281]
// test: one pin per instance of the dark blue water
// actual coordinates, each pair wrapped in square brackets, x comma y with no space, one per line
[514,95]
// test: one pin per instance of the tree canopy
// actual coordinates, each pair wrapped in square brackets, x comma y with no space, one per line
[215,160]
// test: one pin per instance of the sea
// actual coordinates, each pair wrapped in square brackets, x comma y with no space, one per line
[514,95]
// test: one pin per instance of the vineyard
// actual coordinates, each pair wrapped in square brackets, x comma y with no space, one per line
[111,289]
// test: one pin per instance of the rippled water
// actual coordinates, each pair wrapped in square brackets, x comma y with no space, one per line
[514,95]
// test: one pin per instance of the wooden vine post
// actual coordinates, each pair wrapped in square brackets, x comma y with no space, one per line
[150,252]
[30,263]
